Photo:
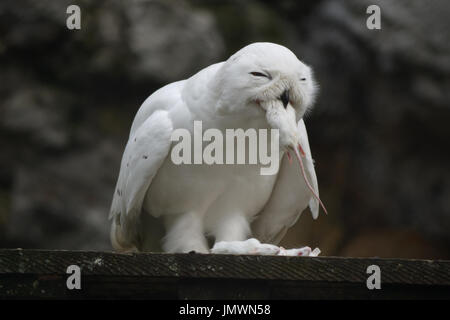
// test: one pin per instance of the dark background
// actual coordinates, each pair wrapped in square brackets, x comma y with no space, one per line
[379,132]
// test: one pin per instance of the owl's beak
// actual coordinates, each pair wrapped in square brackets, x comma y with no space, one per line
[285,98]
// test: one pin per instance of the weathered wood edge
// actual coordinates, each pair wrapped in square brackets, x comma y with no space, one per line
[201,266]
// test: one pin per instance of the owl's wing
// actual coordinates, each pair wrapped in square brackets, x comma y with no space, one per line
[146,150]
[289,197]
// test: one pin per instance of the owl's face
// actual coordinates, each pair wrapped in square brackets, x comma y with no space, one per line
[270,77]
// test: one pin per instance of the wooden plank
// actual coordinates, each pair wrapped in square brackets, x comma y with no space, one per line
[42,274]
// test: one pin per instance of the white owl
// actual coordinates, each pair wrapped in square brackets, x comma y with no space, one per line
[161,206]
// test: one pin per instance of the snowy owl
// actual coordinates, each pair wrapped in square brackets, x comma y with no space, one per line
[159,205]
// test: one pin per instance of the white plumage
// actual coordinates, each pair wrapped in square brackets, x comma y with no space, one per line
[161,206]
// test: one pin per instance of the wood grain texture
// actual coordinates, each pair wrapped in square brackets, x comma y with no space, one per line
[38,274]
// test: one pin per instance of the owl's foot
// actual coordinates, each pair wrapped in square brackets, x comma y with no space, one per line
[253,246]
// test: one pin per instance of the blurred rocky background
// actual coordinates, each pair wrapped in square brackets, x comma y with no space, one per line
[379,133]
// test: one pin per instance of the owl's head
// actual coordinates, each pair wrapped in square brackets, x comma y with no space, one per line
[270,78]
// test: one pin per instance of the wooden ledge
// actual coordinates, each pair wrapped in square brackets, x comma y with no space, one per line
[42,274]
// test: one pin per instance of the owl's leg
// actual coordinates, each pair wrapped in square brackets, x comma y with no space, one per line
[232,234]
[231,227]
[185,233]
